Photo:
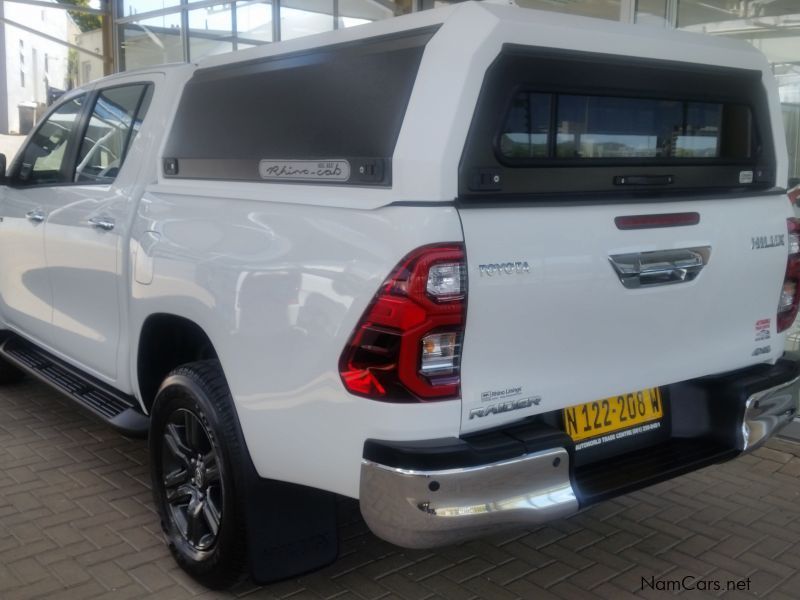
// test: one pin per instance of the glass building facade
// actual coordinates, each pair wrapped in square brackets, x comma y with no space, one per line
[52,45]
[157,31]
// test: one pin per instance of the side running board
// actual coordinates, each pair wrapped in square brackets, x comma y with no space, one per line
[112,406]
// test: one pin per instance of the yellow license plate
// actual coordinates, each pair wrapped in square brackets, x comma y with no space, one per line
[612,414]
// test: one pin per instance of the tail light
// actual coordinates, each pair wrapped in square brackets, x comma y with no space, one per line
[407,346]
[790,298]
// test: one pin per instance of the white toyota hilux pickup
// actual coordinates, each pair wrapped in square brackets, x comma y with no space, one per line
[475,267]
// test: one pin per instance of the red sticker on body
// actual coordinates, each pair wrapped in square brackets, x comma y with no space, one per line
[763,329]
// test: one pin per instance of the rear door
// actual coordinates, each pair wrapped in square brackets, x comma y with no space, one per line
[85,234]
[622,231]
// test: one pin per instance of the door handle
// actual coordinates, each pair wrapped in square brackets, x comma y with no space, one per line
[661,267]
[104,223]
[35,216]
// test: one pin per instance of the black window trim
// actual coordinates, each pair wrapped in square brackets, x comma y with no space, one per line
[484,173]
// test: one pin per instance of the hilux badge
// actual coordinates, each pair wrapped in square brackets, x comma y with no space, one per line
[761,242]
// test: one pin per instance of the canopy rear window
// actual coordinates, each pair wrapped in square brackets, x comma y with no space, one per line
[570,126]
[551,122]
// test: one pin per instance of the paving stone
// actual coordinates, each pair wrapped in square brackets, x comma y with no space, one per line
[432,565]
[467,569]
[41,589]
[151,577]
[69,572]
[696,545]
[76,522]
[367,588]
[110,575]
[449,589]
[551,574]
[508,572]
[28,570]
[613,592]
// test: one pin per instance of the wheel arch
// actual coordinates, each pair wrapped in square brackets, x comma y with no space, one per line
[167,341]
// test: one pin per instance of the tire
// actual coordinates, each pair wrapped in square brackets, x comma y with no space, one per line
[194,446]
[10,373]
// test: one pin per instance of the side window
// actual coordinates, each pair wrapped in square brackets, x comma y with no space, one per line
[44,158]
[116,119]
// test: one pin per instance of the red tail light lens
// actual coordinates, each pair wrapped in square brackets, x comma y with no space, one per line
[790,293]
[407,346]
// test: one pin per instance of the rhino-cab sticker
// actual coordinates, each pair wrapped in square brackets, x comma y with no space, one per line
[304,170]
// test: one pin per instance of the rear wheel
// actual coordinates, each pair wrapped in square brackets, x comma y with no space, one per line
[194,445]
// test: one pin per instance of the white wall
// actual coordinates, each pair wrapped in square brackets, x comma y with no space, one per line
[27,53]
[89,67]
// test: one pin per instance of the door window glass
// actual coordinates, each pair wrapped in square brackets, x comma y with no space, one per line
[116,119]
[44,158]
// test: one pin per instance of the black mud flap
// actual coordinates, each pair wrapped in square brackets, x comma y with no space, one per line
[291,529]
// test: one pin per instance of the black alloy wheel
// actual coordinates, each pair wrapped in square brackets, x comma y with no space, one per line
[195,445]
[192,480]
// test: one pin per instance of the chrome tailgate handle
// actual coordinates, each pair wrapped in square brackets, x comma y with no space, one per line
[660,267]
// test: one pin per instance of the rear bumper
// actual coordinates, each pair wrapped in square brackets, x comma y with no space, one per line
[767,412]
[434,492]
[420,509]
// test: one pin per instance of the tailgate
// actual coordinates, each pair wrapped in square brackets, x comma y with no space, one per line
[550,323]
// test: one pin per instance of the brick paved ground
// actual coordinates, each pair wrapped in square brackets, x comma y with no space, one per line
[76,522]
